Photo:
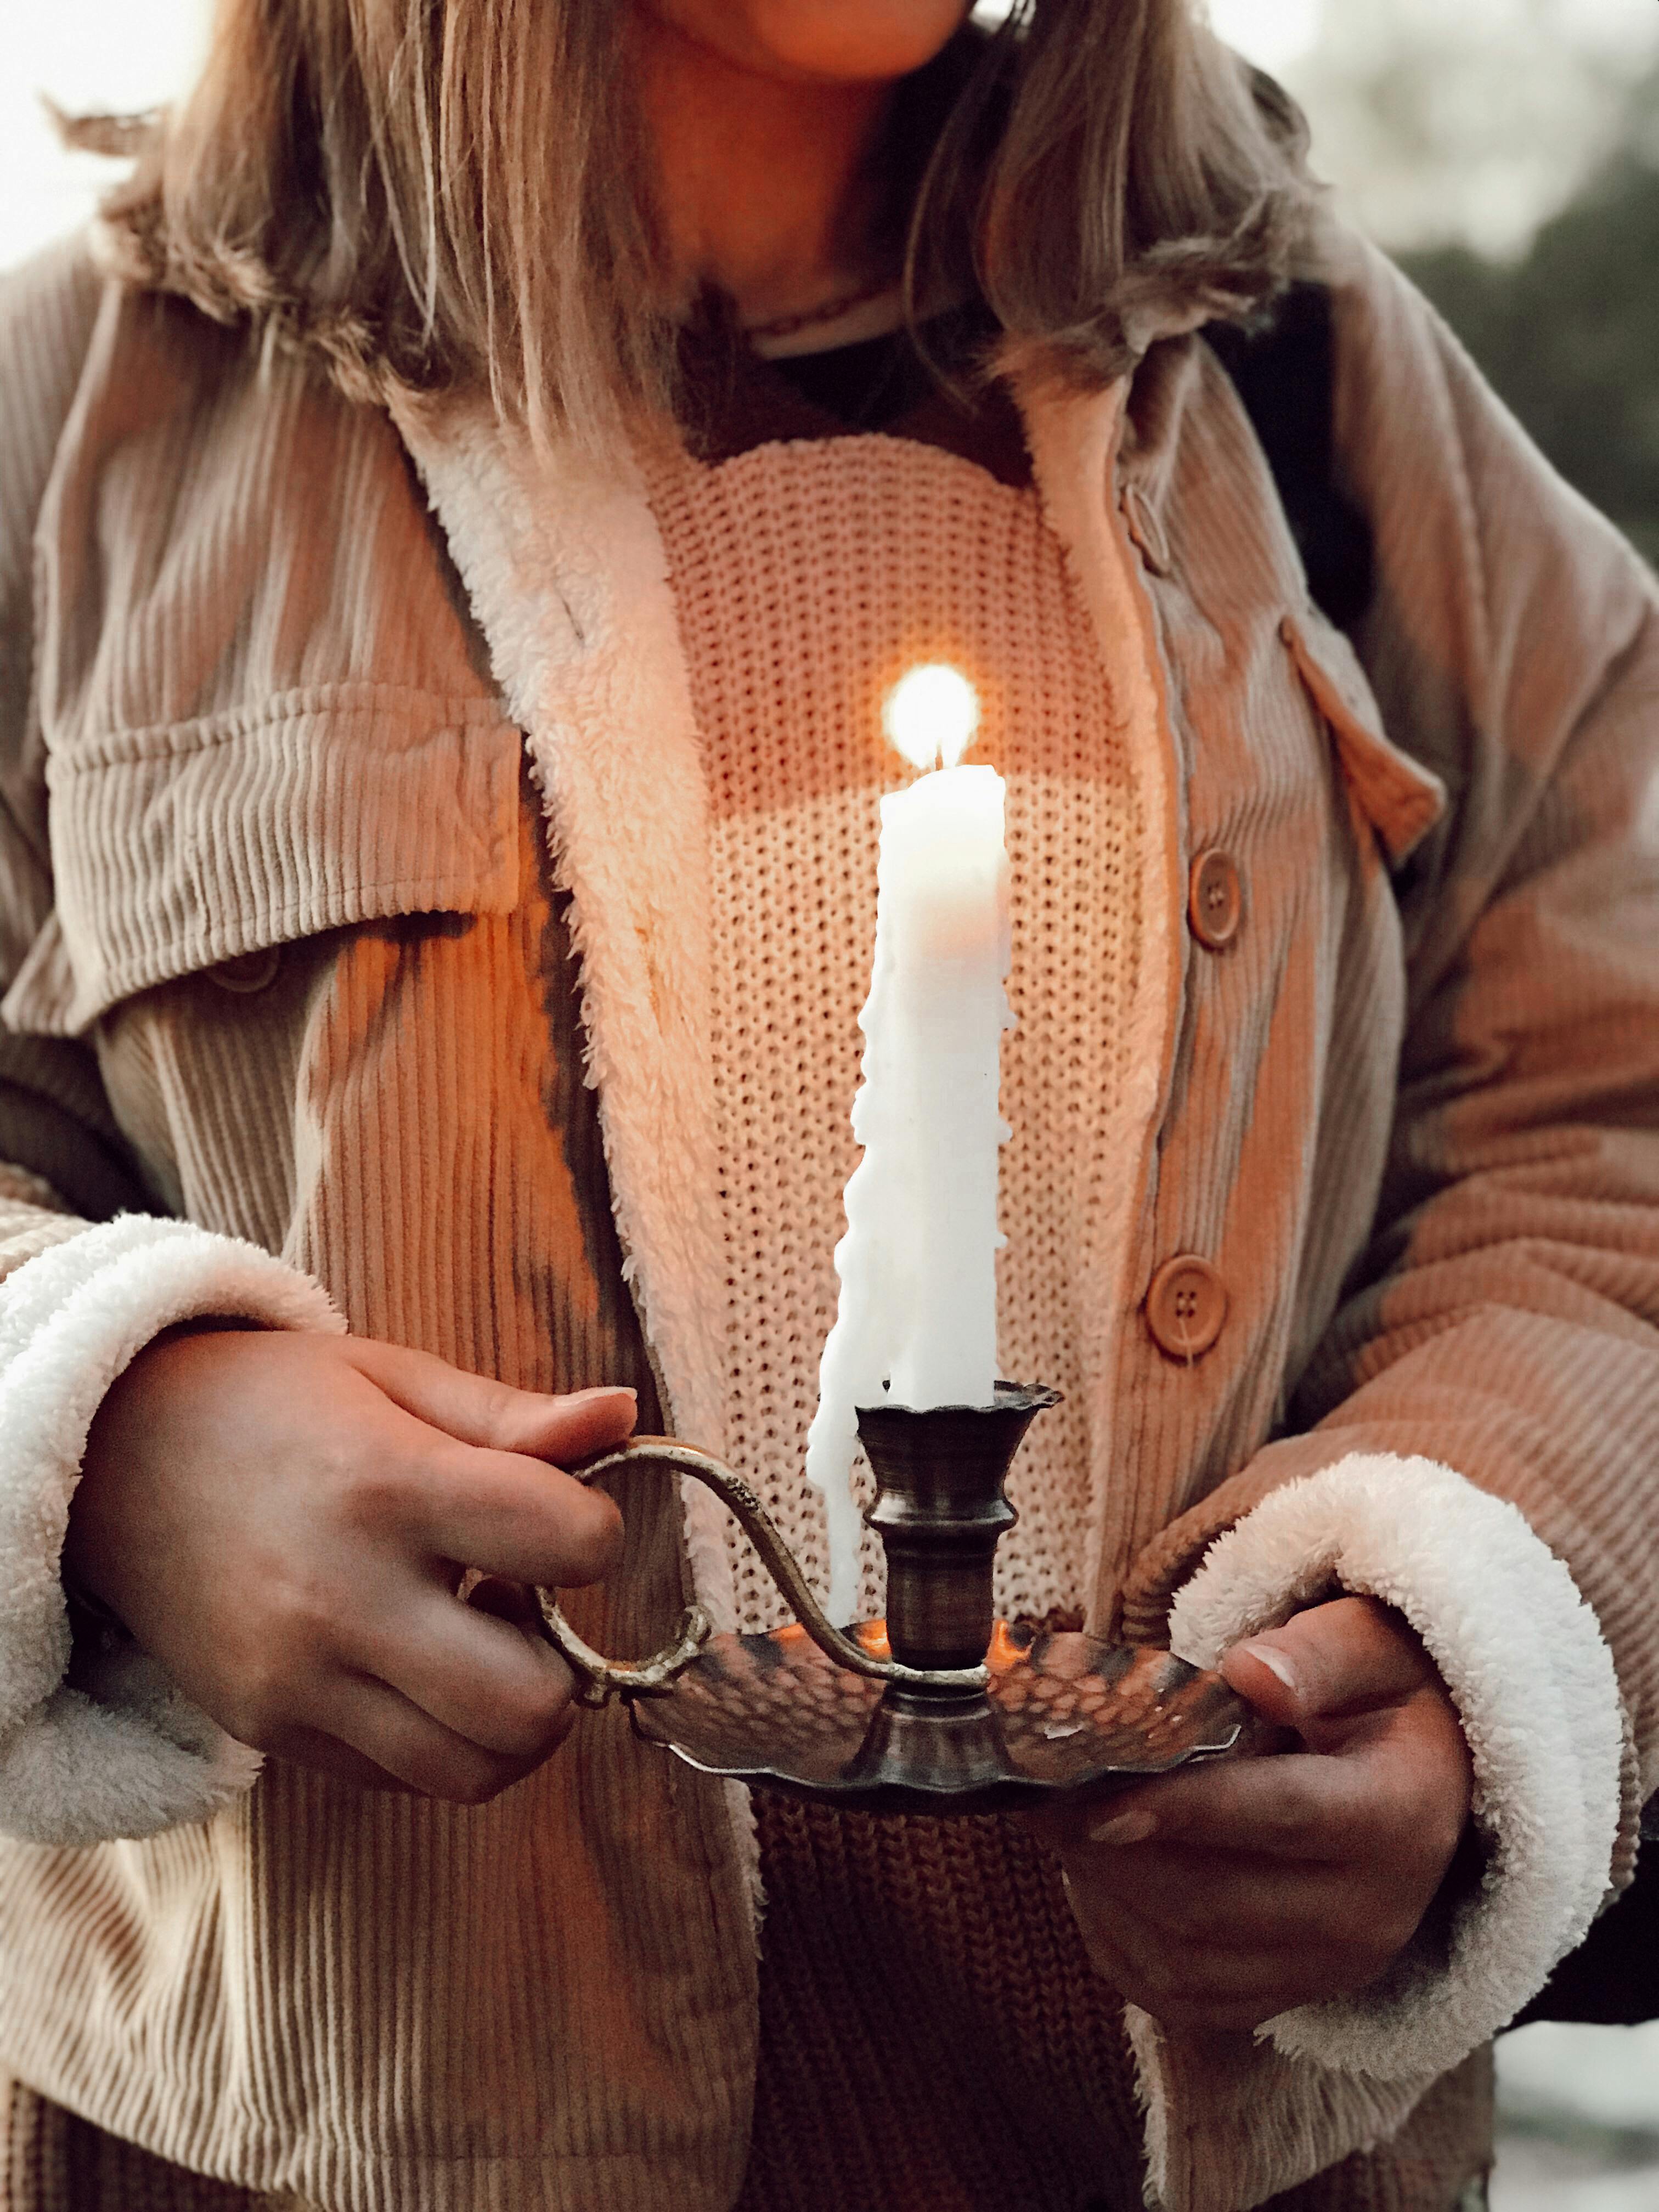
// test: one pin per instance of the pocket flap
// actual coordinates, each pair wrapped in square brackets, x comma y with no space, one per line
[175,849]
[1401,800]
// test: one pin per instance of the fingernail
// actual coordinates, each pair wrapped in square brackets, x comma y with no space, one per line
[1135,1827]
[1274,1660]
[605,1390]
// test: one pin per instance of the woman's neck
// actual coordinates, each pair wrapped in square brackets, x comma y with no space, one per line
[768,189]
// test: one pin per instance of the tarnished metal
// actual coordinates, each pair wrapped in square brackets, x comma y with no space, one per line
[939,1708]
[1062,1714]
[940,1512]
[598,1680]
[603,1679]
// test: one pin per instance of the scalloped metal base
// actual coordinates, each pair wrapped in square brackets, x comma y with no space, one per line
[1064,1715]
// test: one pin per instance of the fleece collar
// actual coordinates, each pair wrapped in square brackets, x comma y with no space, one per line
[568,579]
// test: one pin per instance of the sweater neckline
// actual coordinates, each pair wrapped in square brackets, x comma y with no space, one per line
[734,401]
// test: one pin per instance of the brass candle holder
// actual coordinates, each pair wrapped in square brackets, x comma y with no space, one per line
[939,1708]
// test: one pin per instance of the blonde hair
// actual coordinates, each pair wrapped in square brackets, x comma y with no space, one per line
[430,195]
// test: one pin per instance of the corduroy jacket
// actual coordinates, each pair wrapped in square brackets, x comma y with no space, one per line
[264,720]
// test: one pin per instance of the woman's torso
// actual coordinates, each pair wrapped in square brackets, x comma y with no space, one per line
[306,919]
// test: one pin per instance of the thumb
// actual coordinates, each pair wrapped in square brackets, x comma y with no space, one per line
[475,1409]
[1335,1662]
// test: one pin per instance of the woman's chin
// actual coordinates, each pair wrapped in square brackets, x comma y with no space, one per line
[822,42]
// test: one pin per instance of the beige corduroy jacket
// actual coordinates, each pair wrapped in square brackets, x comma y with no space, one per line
[263,724]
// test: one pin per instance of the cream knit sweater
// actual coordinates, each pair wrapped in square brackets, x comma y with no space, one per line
[807,578]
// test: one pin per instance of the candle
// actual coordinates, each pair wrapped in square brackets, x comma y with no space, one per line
[915,1323]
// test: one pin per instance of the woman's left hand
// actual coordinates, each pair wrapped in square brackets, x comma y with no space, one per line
[1218,1898]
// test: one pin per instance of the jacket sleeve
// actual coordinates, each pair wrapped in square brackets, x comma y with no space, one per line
[1476,1439]
[93,1741]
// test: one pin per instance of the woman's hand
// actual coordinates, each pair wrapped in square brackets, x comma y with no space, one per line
[1220,1896]
[281,1519]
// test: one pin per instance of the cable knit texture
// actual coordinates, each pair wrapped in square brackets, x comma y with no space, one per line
[970,575]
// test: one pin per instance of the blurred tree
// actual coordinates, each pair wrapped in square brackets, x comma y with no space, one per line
[1469,123]
[1569,335]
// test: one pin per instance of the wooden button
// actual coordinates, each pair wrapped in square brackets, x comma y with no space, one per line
[1186,1307]
[248,971]
[1215,899]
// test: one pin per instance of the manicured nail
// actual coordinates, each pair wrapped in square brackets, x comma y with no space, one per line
[1274,1661]
[1136,1827]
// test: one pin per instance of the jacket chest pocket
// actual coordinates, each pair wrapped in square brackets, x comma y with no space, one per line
[216,886]
[206,849]
[1399,800]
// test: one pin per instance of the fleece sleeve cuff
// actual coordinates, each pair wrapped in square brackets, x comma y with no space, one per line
[1524,1660]
[121,1753]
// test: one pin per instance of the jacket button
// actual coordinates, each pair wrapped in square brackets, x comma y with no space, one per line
[249,971]
[1215,899]
[1186,1307]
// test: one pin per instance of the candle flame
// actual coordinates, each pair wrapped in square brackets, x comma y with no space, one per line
[932,714]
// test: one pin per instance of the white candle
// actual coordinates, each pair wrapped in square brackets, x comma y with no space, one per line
[916,1320]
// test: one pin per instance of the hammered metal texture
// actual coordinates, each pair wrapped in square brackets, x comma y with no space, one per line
[1063,1713]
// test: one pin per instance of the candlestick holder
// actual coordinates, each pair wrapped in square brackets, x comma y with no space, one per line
[938,1708]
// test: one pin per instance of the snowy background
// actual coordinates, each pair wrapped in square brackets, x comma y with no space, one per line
[1444,124]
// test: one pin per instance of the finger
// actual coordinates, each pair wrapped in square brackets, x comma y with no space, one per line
[1210,1985]
[396,1737]
[1215,2013]
[506,1601]
[1341,1659]
[475,1409]
[325,1754]
[513,1517]
[1236,1901]
[482,1678]
[1267,1979]
[1299,1806]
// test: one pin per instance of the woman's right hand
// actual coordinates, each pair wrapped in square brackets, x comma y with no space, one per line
[282,1520]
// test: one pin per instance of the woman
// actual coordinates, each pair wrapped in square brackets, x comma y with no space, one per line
[426,924]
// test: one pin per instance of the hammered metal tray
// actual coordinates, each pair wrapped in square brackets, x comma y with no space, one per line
[1063,1713]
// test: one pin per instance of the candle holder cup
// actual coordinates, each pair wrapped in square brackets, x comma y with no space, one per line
[939,1707]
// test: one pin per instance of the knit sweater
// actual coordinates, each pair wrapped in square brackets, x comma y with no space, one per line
[551,2000]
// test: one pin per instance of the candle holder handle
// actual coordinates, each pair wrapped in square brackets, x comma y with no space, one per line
[602,1679]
